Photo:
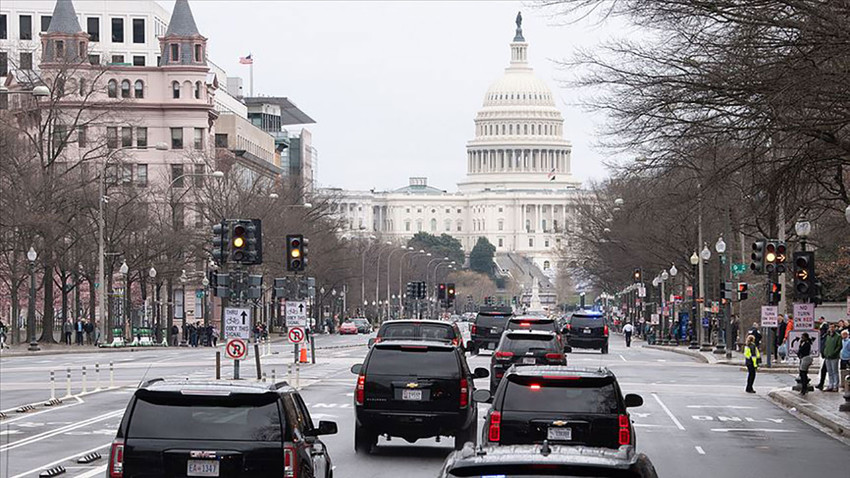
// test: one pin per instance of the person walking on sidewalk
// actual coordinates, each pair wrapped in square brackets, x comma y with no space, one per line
[804,353]
[627,331]
[845,357]
[831,354]
[752,357]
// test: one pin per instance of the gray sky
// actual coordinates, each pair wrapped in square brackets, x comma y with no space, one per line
[394,86]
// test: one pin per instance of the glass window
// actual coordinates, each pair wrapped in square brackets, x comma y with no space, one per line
[406,225]
[112,89]
[94,59]
[117,59]
[141,137]
[555,396]
[139,89]
[501,225]
[530,242]
[197,90]
[25,62]
[141,175]
[439,362]
[60,49]
[126,137]
[138,30]
[176,138]
[546,265]
[138,60]
[199,138]
[45,22]
[501,242]
[25,23]
[81,136]
[175,89]
[93,28]
[177,175]
[125,88]
[178,217]
[126,173]
[198,54]
[117,30]
[175,52]
[111,137]
[198,176]
[220,140]
[4,30]
[433,225]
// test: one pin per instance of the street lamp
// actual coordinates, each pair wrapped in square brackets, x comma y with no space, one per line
[705,255]
[803,228]
[694,330]
[722,332]
[156,311]
[125,271]
[31,257]
[847,213]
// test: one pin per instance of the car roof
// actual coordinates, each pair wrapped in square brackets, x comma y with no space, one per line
[588,313]
[213,386]
[520,318]
[431,344]
[416,321]
[620,458]
[514,334]
[540,370]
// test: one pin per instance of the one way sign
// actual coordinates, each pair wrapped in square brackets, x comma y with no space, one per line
[237,323]
[296,313]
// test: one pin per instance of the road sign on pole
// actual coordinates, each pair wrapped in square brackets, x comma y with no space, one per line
[296,335]
[769,316]
[237,323]
[296,313]
[236,349]
[804,316]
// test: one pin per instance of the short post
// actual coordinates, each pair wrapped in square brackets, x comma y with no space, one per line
[111,376]
[218,365]
[297,376]
[68,382]
[84,380]
[235,370]
[295,352]
[257,360]
[264,376]
[97,374]
[52,386]
[274,379]
[313,348]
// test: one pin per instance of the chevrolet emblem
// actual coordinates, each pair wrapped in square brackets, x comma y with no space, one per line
[559,423]
[412,385]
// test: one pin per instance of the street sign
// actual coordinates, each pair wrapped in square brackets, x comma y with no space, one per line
[641,291]
[705,321]
[237,323]
[654,320]
[769,316]
[199,294]
[794,342]
[738,269]
[296,313]
[236,349]
[296,335]
[848,307]
[804,316]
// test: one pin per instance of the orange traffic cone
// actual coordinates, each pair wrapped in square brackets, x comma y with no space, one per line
[303,358]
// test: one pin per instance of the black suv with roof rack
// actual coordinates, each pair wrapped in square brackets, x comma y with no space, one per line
[561,405]
[587,329]
[218,428]
[419,330]
[486,330]
[414,389]
[525,347]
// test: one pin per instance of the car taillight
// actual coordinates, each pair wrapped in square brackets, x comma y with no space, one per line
[524,324]
[568,327]
[494,433]
[625,435]
[377,339]
[289,459]
[558,357]
[605,331]
[116,459]
[473,329]
[504,355]
[464,393]
[360,391]
[455,342]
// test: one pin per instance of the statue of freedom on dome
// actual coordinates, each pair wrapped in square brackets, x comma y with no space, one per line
[518,36]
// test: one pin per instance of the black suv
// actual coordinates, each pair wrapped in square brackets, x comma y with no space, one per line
[413,390]
[486,330]
[587,330]
[419,330]
[525,347]
[525,322]
[559,404]
[219,428]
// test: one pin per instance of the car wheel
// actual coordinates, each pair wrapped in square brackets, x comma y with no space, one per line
[465,435]
[605,349]
[364,440]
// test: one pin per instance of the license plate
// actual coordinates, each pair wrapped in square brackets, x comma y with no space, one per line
[202,468]
[495,330]
[529,360]
[560,434]
[411,394]
[491,346]
[587,331]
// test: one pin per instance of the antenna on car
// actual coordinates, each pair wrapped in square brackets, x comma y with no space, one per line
[544,449]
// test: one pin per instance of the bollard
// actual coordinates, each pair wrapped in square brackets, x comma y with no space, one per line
[264,376]
[97,374]
[218,365]
[274,379]
[257,361]
[289,373]
[52,386]
[111,376]
[84,379]
[845,407]
[297,376]
[68,381]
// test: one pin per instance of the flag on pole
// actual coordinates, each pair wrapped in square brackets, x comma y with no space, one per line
[247,60]
[552,175]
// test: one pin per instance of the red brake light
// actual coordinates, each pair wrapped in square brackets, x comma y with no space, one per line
[473,329]
[494,433]
[360,391]
[377,339]
[289,462]
[116,459]
[504,355]
[464,393]
[569,327]
[625,434]
[535,386]
[524,324]
[554,356]
[605,330]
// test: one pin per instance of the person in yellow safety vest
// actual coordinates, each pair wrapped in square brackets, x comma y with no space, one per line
[752,357]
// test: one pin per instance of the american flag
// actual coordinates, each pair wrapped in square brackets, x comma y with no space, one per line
[247,60]
[552,175]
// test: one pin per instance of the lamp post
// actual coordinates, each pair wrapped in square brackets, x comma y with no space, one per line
[156,307]
[705,255]
[128,326]
[674,324]
[378,276]
[803,228]
[694,324]
[665,340]
[31,257]
[722,329]
[389,262]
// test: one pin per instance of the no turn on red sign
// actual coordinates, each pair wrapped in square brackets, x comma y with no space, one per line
[236,349]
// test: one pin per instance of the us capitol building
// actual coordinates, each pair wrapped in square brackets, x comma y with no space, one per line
[518,191]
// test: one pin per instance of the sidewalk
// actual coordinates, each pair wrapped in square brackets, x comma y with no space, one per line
[822,407]
[720,359]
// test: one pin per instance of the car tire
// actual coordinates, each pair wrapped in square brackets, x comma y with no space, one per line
[364,440]
[465,435]
[604,349]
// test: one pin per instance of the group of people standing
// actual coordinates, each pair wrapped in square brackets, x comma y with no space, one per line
[835,352]
[195,334]
[83,331]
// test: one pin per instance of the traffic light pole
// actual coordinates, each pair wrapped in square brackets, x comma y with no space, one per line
[768,332]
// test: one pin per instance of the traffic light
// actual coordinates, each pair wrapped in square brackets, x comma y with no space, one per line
[742,290]
[450,291]
[757,264]
[243,242]
[638,276]
[220,242]
[781,256]
[726,290]
[817,295]
[255,241]
[441,291]
[220,284]
[804,275]
[295,260]
[774,292]
[411,290]
[280,285]
[421,290]
[770,257]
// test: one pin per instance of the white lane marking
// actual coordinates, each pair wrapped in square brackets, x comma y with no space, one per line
[97,471]
[51,433]
[41,468]
[765,430]
[30,415]
[732,407]
[669,413]
[700,450]
[624,358]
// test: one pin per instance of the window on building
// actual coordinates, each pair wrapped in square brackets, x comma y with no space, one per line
[546,265]
[125,88]
[25,62]
[176,138]
[45,22]
[175,52]
[528,225]
[141,175]
[117,59]
[199,217]
[419,226]
[199,53]
[4,99]
[93,28]
[458,211]
[126,137]
[530,242]
[126,172]
[60,49]
[94,59]
[448,210]
[111,137]
[117,30]
[141,138]
[546,243]
[501,242]
[543,224]
[4,30]
[407,210]
[178,217]
[81,136]
[139,89]
[112,89]
[175,89]
[199,139]
[459,226]
[555,224]
[501,225]
[138,60]
[419,210]
[197,90]
[448,225]
[25,24]
[220,140]
[200,170]
[177,175]
[138,30]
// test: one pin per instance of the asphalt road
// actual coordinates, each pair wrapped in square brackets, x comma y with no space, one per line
[696,420]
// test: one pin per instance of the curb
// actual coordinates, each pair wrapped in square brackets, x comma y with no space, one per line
[824,418]
[687,352]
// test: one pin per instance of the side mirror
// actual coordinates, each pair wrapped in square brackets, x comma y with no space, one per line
[481,396]
[480,372]
[633,400]
[371,342]
[326,428]
[357,368]
[567,349]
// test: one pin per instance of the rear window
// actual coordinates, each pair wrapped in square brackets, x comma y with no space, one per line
[178,417]
[520,344]
[535,394]
[491,320]
[438,332]
[547,325]
[587,321]
[413,361]
[360,322]
[399,331]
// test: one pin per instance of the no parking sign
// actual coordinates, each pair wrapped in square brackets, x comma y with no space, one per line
[236,349]
[296,335]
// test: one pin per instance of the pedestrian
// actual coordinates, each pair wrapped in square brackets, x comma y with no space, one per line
[214,336]
[845,357]
[831,354]
[627,331]
[96,333]
[175,335]
[780,335]
[752,358]
[735,325]
[88,328]
[804,353]
[754,331]
[68,330]
[78,327]
[3,336]
[193,335]
[824,327]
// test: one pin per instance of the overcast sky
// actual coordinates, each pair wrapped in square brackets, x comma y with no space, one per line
[394,86]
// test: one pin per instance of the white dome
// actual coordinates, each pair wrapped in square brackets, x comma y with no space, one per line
[519,87]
